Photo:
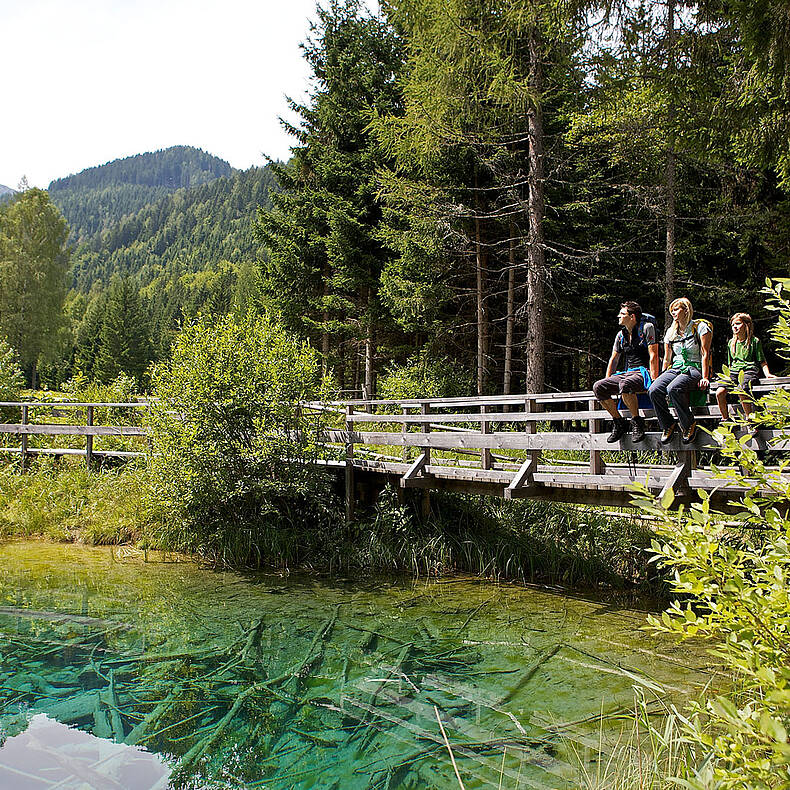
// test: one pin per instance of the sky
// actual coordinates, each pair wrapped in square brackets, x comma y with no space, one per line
[89,81]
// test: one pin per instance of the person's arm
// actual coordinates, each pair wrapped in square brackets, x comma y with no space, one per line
[652,351]
[667,356]
[707,359]
[761,361]
[611,368]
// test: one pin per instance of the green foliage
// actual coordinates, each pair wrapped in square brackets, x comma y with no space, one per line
[525,540]
[33,260]
[425,376]
[734,589]
[12,380]
[231,464]
[324,256]
[97,198]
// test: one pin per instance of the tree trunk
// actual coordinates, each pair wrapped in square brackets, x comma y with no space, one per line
[370,347]
[325,331]
[669,173]
[510,320]
[536,257]
[482,310]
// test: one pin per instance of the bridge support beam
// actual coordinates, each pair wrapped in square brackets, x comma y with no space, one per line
[678,480]
[415,476]
[524,481]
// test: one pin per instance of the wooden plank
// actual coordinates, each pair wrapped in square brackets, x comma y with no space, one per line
[523,480]
[519,441]
[596,461]
[415,477]
[78,404]
[349,476]
[678,481]
[89,438]
[54,429]
[23,448]
[485,428]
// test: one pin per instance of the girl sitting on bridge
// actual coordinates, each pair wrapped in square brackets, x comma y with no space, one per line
[745,358]
[687,366]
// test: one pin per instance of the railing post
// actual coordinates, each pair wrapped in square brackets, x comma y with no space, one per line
[485,429]
[405,448]
[596,462]
[89,438]
[531,406]
[349,464]
[425,408]
[24,436]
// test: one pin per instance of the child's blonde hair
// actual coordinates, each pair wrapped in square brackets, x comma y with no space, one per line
[746,320]
[674,329]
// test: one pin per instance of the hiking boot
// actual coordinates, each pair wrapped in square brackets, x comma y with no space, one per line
[619,427]
[666,436]
[689,435]
[637,429]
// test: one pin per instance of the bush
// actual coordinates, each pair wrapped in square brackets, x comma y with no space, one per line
[734,590]
[423,376]
[12,380]
[231,466]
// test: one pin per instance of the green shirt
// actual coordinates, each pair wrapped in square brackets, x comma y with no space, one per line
[747,356]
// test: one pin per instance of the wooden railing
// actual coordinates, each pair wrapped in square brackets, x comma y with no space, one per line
[27,427]
[547,445]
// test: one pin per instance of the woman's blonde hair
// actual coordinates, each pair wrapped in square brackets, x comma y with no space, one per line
[746,320]
[674,329]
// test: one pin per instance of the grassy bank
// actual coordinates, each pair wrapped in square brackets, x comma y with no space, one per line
[63,501]
[525,541]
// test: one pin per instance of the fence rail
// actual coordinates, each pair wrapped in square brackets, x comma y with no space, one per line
[27,428]
[543,446]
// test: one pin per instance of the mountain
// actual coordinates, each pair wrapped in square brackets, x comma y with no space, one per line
[6,193]
[96,199]
[188,231]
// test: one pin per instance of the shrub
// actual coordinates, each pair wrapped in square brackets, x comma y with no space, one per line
[734,590]
[12,380]
[423,376]
[231,463]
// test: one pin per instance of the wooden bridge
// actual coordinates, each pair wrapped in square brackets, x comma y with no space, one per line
[548,446]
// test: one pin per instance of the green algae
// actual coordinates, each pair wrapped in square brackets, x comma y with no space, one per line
[276,681]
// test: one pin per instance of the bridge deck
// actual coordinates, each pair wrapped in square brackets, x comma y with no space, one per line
[550,446]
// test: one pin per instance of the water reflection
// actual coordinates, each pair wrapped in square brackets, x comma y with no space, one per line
[50,754]
[294,683]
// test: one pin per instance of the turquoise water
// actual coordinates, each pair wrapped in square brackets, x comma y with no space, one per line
[122,672]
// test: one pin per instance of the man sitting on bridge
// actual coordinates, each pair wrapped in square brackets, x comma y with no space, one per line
[636,340]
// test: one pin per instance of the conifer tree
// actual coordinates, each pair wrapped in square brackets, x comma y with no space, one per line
[324,259]
[124,344]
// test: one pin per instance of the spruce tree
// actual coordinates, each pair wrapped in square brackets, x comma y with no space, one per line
[124,344]
[324,258]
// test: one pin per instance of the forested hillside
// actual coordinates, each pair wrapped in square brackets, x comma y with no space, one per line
[189,230]
[95,199]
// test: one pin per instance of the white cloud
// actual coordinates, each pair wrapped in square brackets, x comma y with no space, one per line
[88,81]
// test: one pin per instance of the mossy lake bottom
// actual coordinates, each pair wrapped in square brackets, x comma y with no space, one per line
[125,671]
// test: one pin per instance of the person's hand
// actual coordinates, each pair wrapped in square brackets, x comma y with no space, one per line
[704,383]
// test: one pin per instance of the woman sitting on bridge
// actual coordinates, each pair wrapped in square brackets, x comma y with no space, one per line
[745,358]
[687,365]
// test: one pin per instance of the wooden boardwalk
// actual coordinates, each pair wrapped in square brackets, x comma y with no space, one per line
[547,446]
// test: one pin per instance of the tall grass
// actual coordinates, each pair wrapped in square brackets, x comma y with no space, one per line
[61,500]
[647,752]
